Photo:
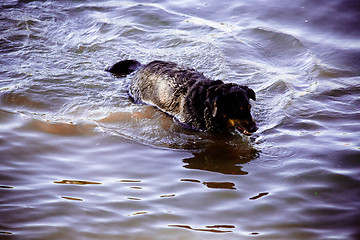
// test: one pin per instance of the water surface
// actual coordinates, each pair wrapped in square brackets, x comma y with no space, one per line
[79,160]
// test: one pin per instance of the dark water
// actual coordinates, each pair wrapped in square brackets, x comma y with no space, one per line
[78,160]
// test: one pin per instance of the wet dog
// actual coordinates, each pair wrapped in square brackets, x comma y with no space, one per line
[194,100]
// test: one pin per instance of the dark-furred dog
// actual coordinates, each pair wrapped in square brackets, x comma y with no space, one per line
[194,100]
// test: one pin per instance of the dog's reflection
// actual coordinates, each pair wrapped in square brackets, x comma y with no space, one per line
[222,157]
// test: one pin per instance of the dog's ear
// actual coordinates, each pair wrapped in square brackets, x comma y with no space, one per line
[214,108]
[249,93]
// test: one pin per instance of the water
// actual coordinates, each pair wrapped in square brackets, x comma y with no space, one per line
[79,160]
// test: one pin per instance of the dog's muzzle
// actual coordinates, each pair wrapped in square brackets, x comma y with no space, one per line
[245,127]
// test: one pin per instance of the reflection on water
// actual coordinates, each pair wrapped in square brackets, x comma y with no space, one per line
[223,157]
[79,160]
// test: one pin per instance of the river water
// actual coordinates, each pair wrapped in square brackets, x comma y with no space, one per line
[79,160]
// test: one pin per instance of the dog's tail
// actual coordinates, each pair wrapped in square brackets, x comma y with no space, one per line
[124,68]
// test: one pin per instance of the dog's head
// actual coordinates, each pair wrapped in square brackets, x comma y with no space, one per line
[228,107]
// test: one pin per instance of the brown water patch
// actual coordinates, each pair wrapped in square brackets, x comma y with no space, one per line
[129,181]
[259,196]
[20,99]
[123,117]
[134,198]
[224,185]
[221,226]
[77,182]
[62,129]
[167,195]
[190,180]
[72,198]
[254,233]
[213,228]
[147,112]
[138,213]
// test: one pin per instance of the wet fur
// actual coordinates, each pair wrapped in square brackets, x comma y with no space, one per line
[194,100]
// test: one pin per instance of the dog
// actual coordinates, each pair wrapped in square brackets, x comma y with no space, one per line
[186,94]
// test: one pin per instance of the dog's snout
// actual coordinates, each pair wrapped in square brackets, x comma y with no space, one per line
[253,127]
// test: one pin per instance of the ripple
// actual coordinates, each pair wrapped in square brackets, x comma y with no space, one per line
[280,49]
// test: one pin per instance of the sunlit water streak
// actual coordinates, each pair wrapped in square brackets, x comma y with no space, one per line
[80,160]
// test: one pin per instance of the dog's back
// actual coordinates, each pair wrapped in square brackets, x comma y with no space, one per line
[165,85]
